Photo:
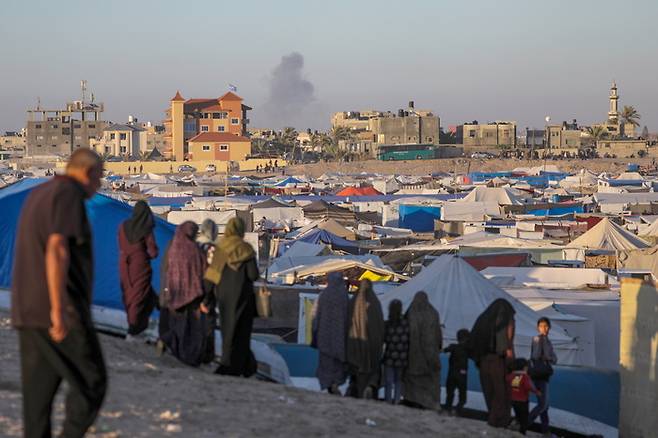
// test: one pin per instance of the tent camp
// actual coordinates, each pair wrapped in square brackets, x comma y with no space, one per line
[461,294]
[322,210]
[277,211]
[608,235]
[318,236]
[105,215]
[498,195]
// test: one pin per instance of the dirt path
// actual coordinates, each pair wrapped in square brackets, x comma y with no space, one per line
[156,397]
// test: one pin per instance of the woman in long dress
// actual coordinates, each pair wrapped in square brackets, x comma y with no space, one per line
[137,248]
[491,346]
[422,378]
[365,342]
[232,274]
[184,320]
[330,326]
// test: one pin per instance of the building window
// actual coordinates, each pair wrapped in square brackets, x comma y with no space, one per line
[113,136]
[221,128]
[205,148]
[190,126]
[91,126]
[54,137]
[37,126]
[123,149]
[53,145]
[471,134]
[107,149]
[122,136]
[54,126]
[39,137]
[223,115]
[223,147]
[235,121]
[215,115]
[77,126]
[38,145]
[204,129]
[429,139]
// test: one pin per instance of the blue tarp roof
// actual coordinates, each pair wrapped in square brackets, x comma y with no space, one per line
[289,180]
[319,235]
[418,218]
[105,215]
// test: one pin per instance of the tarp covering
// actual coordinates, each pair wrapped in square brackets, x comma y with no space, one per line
[550,278]
[461,294]
[608,235]
[645,259]
[469,211]
[498,195]
[323,236]
[323,267]
[418,218]
[651,231]
[322,209]
[484,261]
[358,191]
[105,215]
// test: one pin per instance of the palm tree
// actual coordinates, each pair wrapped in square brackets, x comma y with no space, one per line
[596,133]
[339,133]
[629,115]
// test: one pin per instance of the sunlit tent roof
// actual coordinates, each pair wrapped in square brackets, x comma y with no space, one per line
[608,235]
[651,230]
[105,215]
[461,294]
[323,267]
[498,195]
[358,191]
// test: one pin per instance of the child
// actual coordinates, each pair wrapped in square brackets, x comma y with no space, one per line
[457,371]
[396,342]
[521,386]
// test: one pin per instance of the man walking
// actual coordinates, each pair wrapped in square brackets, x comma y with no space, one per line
[51,298]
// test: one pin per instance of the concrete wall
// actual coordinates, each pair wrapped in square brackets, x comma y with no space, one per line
[121,168]
[42,135]
[638,416]
[623,148]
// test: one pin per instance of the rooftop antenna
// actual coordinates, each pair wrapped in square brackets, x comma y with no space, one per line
[38,104]
[83,88]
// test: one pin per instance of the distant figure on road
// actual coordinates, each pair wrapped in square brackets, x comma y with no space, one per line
[141,168]
[421,386]
[330,326]
[183,310]
[51,299]
[136,250]
[231,275]
[365,342]
[491,346]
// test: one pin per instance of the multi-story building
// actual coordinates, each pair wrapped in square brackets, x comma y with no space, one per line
[186,119]
[494,134]
[12,141]
[60,131]
[221,146]
[374,128]
[564,136]
[119,140]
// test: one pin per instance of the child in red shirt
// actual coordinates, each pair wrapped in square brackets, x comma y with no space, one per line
[521,386]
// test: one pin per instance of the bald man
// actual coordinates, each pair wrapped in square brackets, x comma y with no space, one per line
[51,299]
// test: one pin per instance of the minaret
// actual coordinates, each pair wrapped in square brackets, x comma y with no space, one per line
[613,114]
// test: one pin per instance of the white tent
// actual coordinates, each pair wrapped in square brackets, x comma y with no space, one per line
[547,278]
[498,195]
[469,211]
[608,235]
[461,294]
[651,230]
[584,178]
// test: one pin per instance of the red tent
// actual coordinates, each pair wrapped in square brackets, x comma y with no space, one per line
[358,191]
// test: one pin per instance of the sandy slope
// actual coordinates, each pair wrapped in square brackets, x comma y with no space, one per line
[152,396]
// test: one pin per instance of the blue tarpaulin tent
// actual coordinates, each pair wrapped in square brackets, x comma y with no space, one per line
[418,218]
[319,235]
[289,180]
[105,215]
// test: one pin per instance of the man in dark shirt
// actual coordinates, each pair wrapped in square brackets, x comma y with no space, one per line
[51,299]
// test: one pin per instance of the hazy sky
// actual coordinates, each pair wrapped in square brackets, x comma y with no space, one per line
[466,60]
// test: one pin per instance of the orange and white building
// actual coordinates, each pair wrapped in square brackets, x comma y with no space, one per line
[207,129]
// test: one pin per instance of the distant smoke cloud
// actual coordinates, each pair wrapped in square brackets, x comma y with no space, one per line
[290,94]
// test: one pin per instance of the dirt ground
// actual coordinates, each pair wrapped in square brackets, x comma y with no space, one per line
[159,397]
[461,165]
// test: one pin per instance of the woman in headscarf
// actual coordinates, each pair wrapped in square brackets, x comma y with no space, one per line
[330,326]
[206,238]
[136,250]
[491,346]
[365,342]
[422,378]
[184,330]
[232,275]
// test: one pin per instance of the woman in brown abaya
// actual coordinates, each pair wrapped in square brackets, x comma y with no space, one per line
[136,250]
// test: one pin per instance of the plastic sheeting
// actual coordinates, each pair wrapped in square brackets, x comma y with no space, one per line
[498,195]
[608,235]
[550,278]
[418,218]
[105,215]
[461,294]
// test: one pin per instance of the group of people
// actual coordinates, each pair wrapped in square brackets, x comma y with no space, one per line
[268,167]
[357,346]
[201,278]
[133,169]
[355,343]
